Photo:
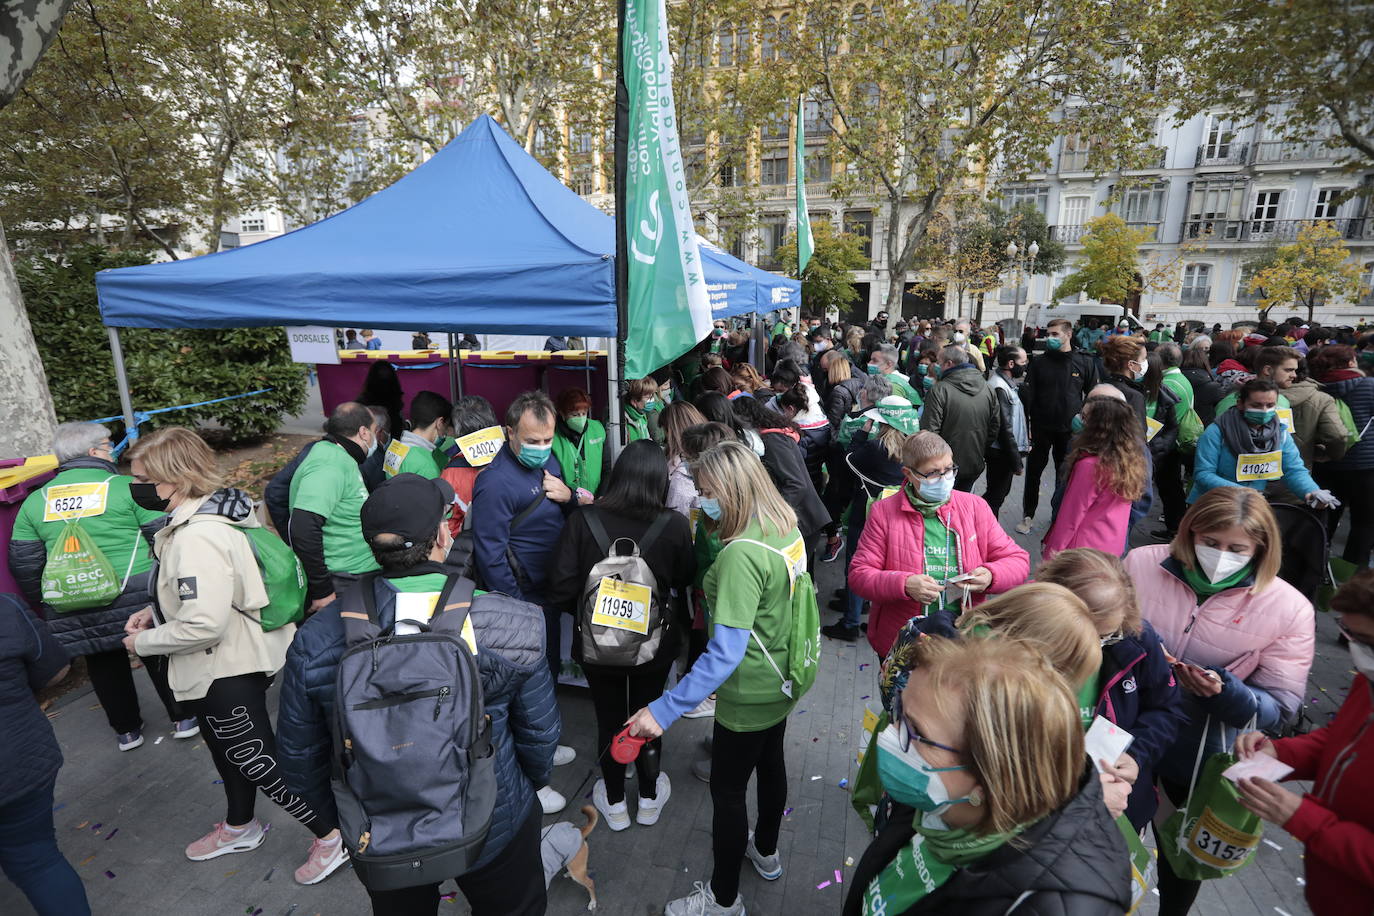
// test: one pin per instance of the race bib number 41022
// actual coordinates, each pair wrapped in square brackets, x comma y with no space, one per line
[622,606]
[75,500]
[1259,466]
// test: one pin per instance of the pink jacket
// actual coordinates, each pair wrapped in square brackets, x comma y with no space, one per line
[1089,515]
[892,547]
[1266,639]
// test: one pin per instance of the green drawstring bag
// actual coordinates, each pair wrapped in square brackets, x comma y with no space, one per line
[1214,835]
[283,578]
[867,789]
[1142,864]
[77,574]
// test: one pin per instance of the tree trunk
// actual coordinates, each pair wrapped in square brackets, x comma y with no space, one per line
[978,311]
[26,28]
[27,421]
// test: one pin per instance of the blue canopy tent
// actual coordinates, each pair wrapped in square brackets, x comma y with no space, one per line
[479,238]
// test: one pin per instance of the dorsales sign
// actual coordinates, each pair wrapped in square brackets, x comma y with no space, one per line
[313,344]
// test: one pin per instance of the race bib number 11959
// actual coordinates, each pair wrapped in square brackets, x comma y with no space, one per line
[622,606]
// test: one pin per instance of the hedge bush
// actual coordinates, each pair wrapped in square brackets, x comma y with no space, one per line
[165,367]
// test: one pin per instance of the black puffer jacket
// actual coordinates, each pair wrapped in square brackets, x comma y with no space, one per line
[841,398]
[786,464]
[1207,392]
[1072,863]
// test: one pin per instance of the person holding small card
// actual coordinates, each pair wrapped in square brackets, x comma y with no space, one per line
[1334,821]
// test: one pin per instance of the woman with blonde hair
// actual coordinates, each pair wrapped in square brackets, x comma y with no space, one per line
[1241,638]
[682,492]
[204,618]
[749,591]
[746,381]
[1104,474]
[1135,687]
[996,808]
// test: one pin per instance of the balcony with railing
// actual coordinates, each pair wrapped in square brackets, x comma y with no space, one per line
[1073,235]
[1082,160]
[1359,228]
[1220,154]
[1194,296]
[1283,151]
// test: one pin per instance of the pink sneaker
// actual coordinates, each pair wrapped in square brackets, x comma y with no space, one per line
[221,842]
[324,859]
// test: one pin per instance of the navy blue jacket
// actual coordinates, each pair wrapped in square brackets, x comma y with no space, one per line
[1140,695]
[517,690]
[1358,395]
[29,659]
[501,492]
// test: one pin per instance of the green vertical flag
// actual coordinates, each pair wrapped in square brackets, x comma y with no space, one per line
[805,242]
[667,308]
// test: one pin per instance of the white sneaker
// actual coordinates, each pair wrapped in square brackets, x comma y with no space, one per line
[768,867]
[701,902]
[650,808]
[551,800]
[563,755]
[704,710]
[1026,526]
[617,816]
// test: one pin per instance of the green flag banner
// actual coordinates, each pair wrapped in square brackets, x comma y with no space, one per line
[667,310]
[805,241]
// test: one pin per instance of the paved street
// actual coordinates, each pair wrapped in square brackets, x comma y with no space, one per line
[123,819]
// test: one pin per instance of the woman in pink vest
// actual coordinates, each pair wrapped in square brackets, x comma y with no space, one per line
[930,546]
[1239,637]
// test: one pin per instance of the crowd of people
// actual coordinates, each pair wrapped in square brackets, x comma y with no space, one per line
[431,557]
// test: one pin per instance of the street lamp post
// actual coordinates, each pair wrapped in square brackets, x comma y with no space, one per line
[1024,261]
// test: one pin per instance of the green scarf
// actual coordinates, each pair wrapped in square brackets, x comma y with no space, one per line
[931,859]
[1204,588]
[919,503]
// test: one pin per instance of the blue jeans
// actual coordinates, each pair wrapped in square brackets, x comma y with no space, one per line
[30,858]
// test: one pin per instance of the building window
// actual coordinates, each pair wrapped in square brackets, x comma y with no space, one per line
[1265,212]
[1197,284]
[728,175]
[1215,209]
[772,234]
[1038,197]
[768,40]
[1221,135]
[817,217]
[253,224]
[725,39]
[730,238]
[1327,206]
[784,38]
[1074,157]
[582,184]
[817,116]
[860,223]
[775,126]
[817,163]
[773,167]
[1075,211]
[1143,207]
[1367,284]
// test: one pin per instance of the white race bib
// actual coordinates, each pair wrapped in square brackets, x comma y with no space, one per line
[1259,466]
[622,606]
[480,447]
[75,500]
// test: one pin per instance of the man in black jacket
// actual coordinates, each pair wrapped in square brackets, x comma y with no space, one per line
[1055,387]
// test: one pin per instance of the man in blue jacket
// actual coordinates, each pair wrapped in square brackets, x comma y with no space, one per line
[517,693]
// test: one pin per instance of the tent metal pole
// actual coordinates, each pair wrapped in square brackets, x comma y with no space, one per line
[126,404]
[615,430]
[452,376]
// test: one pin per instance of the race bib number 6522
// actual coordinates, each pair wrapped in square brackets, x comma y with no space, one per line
[75,500]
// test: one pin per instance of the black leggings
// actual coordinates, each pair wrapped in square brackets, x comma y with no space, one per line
[237,730]
[1176,895]
[113,682]
[1352,488]
[616,696]
[735,756]
[512,884]
[1043,443]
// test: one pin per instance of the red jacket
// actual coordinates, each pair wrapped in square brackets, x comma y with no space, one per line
[892,547]
[1336,819]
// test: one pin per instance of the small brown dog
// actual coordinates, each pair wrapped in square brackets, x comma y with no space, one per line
[564,846]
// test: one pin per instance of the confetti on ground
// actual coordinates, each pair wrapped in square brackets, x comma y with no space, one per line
[159,740]
[82,824]
[109,835]
[814,778]
[291,909]
[59,807]
[270,872]
[88,858]
[849,862]
[97,826]
[96,706]
[450,896]
[839,877]
[1275,846]
[1302,882]
[787,812]
[863,666]
[823,885]
[109,874]
[230,874]
[218,782]
[864,697]
[843,783]
[1282,912]
[801,711]
[54,715]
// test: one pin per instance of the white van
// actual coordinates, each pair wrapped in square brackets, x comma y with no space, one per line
[1038,316]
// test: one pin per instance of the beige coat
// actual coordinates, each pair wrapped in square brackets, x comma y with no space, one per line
[206,580]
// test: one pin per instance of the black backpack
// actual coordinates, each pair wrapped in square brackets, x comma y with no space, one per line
[414,767]
[623,616]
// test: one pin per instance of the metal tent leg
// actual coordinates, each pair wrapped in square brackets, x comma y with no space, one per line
[126,404]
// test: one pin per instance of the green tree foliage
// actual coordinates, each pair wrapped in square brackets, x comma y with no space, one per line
[1308,271]
[1109,268]
[166,367]
[828,281]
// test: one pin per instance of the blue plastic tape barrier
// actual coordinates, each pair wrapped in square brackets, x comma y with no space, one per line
[142,416]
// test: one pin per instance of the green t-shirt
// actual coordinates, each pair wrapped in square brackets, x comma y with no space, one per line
[901,386]
[100,501]
[329,484]
[404,458]
[581,463]
[942,557]
[748,588]
[1088,695]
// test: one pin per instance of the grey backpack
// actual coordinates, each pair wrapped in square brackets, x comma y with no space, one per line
[623,617]
[414,777]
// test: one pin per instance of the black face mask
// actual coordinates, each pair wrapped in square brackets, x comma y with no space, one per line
[145,497]
[1017,370]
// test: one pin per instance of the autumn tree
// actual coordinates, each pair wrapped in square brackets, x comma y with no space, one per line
[926,98]
[1109,269]
[1309,271]
[828,281]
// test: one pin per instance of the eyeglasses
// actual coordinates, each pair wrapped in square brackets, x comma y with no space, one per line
[951,471]
[1360,640]
[906,734]
[1112,639]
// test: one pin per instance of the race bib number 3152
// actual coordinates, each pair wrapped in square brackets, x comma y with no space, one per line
[622,606]
[75,500]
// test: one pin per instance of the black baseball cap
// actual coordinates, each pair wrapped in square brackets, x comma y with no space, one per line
[408,506]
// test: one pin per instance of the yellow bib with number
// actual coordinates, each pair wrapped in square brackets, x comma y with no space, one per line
[75,500]
[622,606]
[480,447]
[694,516]
[1259,466]
[418,607]
[1218,844]
[1286,418]
[1152,428]
[395,454]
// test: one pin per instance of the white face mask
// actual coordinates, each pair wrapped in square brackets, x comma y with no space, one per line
[1363,659]
[1219,564]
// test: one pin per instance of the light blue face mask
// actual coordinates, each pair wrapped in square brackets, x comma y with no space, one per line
[711,507]
[1076,424]
[937,490]
[534,456]
[908,778]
